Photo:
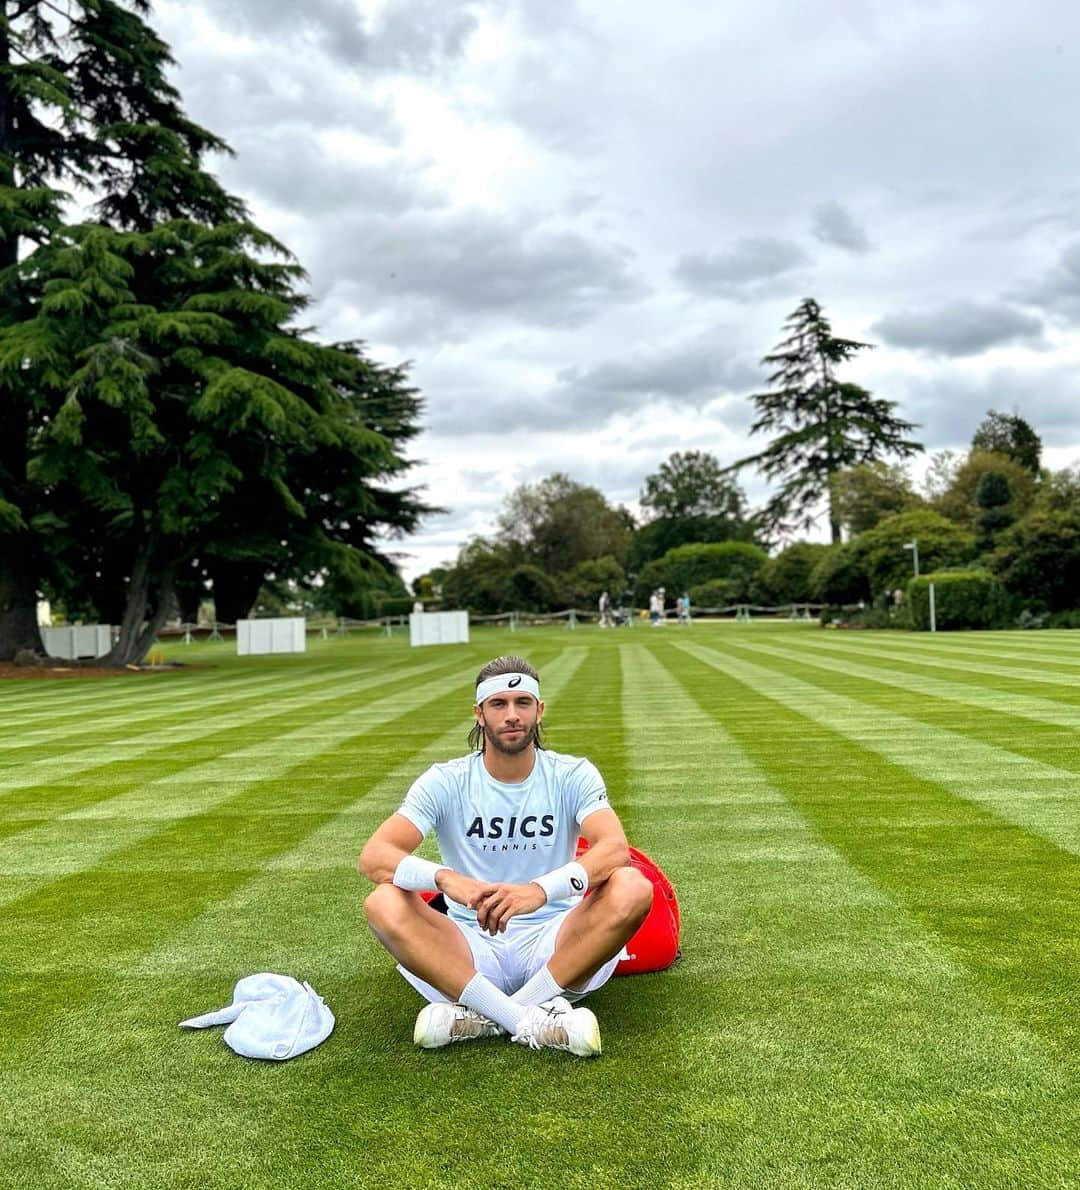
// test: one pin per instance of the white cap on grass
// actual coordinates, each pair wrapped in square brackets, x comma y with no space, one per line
[272,1016]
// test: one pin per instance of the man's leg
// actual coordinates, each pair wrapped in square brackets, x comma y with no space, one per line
[591,935]
[430,946]
[423,941]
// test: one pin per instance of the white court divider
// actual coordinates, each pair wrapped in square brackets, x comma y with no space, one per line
[438,628]
[71,641]
[283,635]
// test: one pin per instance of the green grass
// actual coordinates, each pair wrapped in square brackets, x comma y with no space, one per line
[875,839]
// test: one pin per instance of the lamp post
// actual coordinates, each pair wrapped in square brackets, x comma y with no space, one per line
[914,547]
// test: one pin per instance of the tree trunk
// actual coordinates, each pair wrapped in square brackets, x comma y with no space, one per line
[834,518]
[135,607]
[18,602]
[143,619]
[18,574]
[164,599]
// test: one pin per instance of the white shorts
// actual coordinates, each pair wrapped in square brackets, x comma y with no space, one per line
[511,959]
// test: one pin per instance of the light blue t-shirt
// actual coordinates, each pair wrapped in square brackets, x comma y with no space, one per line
[502,832]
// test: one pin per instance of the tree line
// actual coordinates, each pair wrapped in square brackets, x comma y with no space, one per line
[168,424]
[993,512]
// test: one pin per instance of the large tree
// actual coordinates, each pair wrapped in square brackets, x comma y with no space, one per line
[558,522]
[864,495]
[692,484]
[822,424]
[84,104]
[189,421]
[959,500]
[1010,435]
[688,499]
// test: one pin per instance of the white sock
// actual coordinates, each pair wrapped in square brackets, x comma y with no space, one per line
[483,996]
[539,989]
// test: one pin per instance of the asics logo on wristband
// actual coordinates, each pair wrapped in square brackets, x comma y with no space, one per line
[576,884]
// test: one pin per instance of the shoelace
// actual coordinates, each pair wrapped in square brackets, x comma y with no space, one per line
[533,1028]
[467,1023]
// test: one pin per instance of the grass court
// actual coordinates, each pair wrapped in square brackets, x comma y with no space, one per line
[875,838]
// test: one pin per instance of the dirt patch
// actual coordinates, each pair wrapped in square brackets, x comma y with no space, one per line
[55,668]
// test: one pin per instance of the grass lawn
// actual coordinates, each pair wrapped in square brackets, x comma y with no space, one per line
[875,839]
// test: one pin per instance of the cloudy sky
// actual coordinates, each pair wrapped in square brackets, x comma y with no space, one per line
[585,221]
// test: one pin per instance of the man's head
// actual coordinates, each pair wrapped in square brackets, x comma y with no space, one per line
[508,707]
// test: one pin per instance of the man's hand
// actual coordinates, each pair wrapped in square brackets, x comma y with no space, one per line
[464,889]
[497,903]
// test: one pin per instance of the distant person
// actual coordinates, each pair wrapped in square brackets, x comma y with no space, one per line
[418,607]
[520,941]
[604,608]
[682,605]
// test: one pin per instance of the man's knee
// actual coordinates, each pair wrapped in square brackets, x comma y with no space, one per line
[630,894]
[387,908]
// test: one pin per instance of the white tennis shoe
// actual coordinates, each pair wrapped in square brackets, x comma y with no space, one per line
[440,1024]
[557,1025]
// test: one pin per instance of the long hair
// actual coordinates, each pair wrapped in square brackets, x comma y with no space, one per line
[493,669]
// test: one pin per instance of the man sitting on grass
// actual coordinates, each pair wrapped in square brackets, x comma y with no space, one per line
[520,943]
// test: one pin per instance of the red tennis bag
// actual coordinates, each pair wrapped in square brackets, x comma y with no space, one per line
[655,944]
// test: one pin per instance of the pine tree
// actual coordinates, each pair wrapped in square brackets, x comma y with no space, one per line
[84,104]
[824,424]
[191,421]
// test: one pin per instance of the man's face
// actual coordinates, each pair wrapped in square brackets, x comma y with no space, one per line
[509,721]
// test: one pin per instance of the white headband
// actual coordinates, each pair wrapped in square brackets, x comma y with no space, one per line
[505,683]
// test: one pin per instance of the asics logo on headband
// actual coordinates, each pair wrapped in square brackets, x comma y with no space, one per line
[520,683]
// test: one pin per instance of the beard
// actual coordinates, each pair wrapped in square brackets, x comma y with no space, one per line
[510,747]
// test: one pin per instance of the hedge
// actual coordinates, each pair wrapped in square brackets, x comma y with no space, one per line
[962,599]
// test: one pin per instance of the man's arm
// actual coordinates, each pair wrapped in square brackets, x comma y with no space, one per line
[608,848]
[396,838]
[387,847]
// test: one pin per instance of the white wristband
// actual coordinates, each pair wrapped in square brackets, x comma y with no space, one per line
[417,875]
[571,880]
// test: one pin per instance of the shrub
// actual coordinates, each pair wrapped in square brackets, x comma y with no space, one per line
[942,546]
[581,587]
[395,605]
[719,592]
[962,599]
[689,566]
[786,578]
[1038,560]
[532,589]
[839,576]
